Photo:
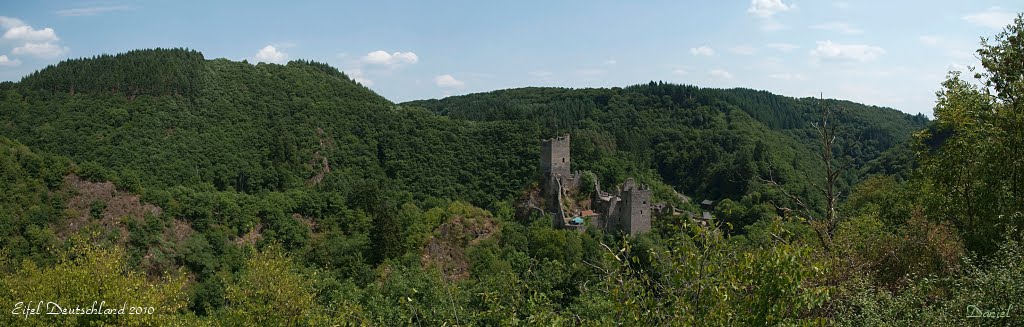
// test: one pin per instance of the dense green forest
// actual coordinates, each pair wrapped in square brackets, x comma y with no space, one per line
[707,143]
[226,193]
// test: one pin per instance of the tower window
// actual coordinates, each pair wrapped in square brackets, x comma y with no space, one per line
[563,160]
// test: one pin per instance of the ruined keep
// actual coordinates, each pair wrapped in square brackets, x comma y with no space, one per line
[554,156]
[554,167]
[627,211]
[636,206]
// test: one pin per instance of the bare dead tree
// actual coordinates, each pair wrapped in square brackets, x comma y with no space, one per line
[827,132]
[824,226]
[823,234]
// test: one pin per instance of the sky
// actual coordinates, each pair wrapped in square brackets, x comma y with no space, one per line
[886,53]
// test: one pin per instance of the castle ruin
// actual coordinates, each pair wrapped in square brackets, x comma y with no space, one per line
[628,210]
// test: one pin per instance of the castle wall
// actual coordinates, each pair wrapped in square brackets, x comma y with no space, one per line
[611,222]
[555,204]
[629,211]
[573,182]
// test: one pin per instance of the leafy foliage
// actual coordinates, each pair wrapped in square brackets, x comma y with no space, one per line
[971,152]
[292,195]
[86,274]
[711,143]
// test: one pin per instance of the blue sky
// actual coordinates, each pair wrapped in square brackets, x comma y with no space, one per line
[887,53]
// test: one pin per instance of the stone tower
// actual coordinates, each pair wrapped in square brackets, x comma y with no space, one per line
[554,157]
[636,208]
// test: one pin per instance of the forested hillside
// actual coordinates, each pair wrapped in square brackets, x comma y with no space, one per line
[255,128]
[226,193]
[233,126]
[709,143]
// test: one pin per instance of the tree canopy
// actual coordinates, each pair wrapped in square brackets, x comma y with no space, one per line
[225,193]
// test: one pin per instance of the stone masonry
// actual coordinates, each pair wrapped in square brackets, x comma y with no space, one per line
[627,211]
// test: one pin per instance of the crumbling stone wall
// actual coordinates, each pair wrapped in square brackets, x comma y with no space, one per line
[628,211]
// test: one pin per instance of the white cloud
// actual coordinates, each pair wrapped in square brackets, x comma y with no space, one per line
[29,41]
[610,62]
[680,71]
[391,60]
[41,50]
[270,54]
[4,61]
[590,71]
[842,5]
[702,51]
[995,18]
[379,58]
[89,11]
[28,34]
[784,47]
[10,22]
[788,76]
[829,50]
[768,8]
[839,27]
[743,50]
[540,73]
[358,76]
[448,81]
[720,74]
